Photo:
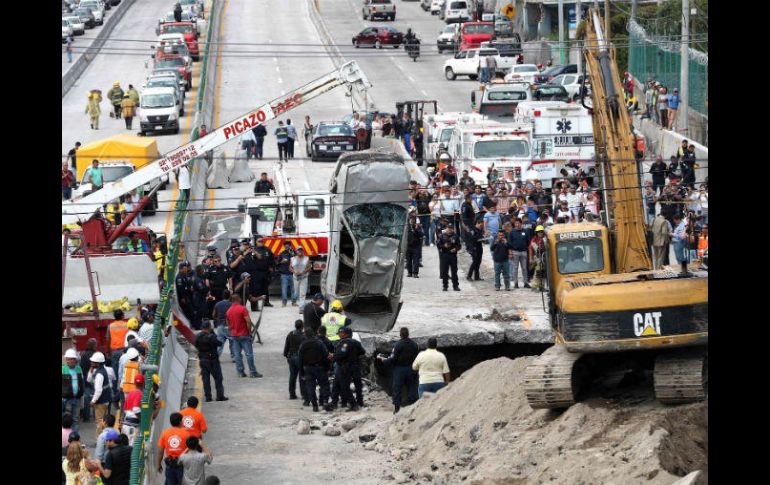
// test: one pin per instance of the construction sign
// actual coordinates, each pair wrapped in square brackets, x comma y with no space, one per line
[509,11]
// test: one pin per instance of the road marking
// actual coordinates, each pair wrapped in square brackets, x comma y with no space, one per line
[280,81]
[277,69]
[423,92]
[411,79]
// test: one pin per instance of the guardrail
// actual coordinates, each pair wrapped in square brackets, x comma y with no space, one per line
[69,78]
[173,358]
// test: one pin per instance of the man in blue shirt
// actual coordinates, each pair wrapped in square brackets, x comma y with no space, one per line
[491,223]
[95,175]
[680,239]
[291,131]
[519,239]
[673,105]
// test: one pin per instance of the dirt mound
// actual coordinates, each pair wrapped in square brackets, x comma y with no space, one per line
[481,430]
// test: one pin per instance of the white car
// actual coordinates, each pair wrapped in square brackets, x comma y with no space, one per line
[456,11]
[570,82]
[446,38]
[436,6]
[195,7]
[466,63]
[66,30]
[97,8]
[522,72]
[78,27]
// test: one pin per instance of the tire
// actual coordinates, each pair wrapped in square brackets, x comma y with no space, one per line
[140,133]
[355,43]
[181,112]
[450,74]
[176,131]
[378,45]
[396,46]
[393,18]
[414,59]
[473,77]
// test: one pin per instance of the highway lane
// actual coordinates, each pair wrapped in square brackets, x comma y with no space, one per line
[130,65]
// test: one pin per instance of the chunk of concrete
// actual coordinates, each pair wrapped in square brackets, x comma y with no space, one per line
[331,431]
[303,427]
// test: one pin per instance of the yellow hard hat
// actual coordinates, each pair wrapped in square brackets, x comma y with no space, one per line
[156,379]
[116,83]
[539,228]
[336,305]
[132,324]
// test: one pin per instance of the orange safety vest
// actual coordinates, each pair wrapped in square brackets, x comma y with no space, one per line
[118,330]
[130,371]
[703,245]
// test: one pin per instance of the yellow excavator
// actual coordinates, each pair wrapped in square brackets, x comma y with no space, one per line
[606,303]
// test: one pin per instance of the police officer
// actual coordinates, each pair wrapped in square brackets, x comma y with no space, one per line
[312,357]
[449,244]
[347,368]
[246,262]
[473,238]
[264,267]
[413,248]
[200,297]
[217,276]
[404,353]
[184,290]
[207,344]
[290,351]
[334,320]
[334,385]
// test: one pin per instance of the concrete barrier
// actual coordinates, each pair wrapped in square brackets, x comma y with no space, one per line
[666,143]
[241,171]
[69,78]
[219,174]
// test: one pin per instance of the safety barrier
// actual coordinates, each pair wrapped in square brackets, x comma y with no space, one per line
[173,358]
[69,78]
[219,175]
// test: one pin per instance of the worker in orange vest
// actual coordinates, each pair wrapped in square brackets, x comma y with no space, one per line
[130,371]
[703,240]
[116,332]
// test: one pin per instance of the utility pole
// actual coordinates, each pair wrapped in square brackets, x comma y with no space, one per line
[633,9]
[577,25]
[607,21]
[561,32]
[685,68]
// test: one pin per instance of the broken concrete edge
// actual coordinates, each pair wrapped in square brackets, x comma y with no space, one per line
[384,343]
[70,77]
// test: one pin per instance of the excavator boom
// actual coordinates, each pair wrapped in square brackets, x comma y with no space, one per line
[348,74]
[615,147]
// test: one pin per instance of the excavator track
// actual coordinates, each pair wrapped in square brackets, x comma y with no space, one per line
[681,376]
[551,381]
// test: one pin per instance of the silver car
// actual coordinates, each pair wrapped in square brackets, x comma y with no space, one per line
[78,27]
[166,81]
[97,8]
[66,30]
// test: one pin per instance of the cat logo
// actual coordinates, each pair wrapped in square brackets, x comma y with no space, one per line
[647,324]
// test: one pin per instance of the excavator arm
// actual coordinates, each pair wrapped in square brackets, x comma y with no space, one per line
[349,74]
[615,149]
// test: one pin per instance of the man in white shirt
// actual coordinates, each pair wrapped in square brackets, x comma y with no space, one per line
[300,266]
[183,179]
[432,367]
[248,143]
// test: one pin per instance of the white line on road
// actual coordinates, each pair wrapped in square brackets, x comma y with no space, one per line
[412,79]
[424,93]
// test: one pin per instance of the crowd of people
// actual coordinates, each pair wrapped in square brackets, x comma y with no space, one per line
[660,105]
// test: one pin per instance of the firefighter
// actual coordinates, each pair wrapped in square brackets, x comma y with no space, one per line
[116,97]
[448,244]
[334,320]
[347,368]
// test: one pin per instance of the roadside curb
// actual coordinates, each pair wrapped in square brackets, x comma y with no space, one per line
[70,77]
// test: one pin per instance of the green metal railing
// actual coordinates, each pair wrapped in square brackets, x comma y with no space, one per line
[138,456]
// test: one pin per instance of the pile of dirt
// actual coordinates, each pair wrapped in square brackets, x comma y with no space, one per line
[496,316]
[480,430]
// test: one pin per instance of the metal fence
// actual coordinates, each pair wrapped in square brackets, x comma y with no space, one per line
[659,58]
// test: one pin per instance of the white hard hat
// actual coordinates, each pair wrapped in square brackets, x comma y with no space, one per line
[132,353]
[444,156]
[98,357]
[70,354]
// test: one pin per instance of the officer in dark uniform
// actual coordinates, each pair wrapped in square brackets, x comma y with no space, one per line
[217,276]
[313,360]
[246,262]
[413,248]
[200,297]
[402,357]
[417,140]
[290,350]
[264,266]
[184,290]
[229,253]
[449,245]
[347,368]
[206,342]
[473,238]
[334,385]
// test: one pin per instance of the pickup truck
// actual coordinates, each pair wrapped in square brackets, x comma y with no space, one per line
[378,8]
[467,63]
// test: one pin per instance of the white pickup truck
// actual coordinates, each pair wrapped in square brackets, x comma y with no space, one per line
[378,8]
[468,63]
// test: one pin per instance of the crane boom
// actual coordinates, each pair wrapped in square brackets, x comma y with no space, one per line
[349,74]
[615,148]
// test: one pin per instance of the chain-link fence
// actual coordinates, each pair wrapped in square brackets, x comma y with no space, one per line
[659,58]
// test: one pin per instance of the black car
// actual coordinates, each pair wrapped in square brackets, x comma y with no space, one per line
[331,139]
[550,92]
[554,71]
[86,16]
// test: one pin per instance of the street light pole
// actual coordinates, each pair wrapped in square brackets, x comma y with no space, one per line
[685,68]
[561,32]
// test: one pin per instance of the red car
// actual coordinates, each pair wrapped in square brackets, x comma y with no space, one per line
[378,37]
[177,62]
[472,34]
[190,32]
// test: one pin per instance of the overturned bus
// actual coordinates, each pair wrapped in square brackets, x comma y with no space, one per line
[367,240]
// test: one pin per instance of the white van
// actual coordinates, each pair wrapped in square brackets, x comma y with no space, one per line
[456,11]
[158,110]
[562,132]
